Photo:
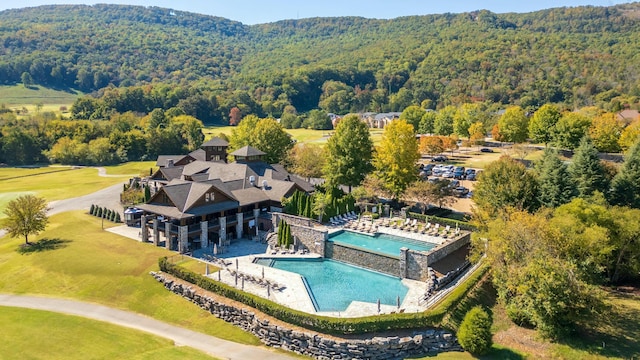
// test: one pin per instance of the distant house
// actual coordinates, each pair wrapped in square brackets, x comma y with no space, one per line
[379,121]
[200,202]
[628,116]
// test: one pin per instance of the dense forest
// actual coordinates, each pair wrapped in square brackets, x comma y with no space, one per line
[570,56]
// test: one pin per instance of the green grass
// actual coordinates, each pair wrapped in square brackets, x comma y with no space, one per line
[55,182]
[300,135]
[17,96]
[136,168]
[97,266]
[35,334]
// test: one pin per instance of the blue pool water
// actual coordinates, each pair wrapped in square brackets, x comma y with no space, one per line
[381,243]
[334,285]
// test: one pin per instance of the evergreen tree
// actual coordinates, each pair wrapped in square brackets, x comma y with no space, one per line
[625,187]
[475,331]
[307,208]
[280,232]
[92,209]
[147,193]
[556,187]
[99,212]
[118,219]
[587,173]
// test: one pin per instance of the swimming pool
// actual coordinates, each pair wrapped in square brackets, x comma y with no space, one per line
[381,243]
[333,285]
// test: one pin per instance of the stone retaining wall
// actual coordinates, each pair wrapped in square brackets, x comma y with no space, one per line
[446,248]
[370,260]
[307,237]
[416,265]
[419,344]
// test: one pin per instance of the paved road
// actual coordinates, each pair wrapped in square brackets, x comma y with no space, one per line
[213,346]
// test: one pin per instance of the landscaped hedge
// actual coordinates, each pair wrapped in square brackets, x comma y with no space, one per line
[442,221]
[324,324]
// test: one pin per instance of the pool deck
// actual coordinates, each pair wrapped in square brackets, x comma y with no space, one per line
[295,295]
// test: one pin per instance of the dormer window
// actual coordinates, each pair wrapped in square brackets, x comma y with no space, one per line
[206,197]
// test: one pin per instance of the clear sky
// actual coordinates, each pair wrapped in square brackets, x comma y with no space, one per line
[263,11]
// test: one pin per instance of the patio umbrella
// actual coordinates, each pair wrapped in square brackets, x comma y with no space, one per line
[215,249]
[236,264]
[378,306]
[263,272]
[243,283]
[398,301]
[219,275]
[206,269]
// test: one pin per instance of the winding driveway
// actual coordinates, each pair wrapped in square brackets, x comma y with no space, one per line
[213,346]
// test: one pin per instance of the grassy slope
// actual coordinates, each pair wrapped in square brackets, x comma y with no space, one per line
[34,334]
[97,266]
[300,135]
[17,96]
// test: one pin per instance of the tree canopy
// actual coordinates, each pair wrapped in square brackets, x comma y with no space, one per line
[349,153]
[396,156]
[26,215]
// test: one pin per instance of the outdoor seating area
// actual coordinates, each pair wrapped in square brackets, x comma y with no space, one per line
[367,224]
[256,280]
[291,250]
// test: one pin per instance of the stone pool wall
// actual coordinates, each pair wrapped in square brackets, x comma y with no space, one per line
[369,260]
[306,236]
[441,251]
[415,265]
[420,343]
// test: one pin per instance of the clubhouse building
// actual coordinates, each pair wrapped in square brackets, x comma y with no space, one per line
[202,199]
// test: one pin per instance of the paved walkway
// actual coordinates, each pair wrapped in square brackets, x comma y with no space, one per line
[213,346]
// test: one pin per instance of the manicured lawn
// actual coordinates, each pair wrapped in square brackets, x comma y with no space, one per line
[97,266]
[52,183]
[135,168]
[300,135]
[35,334]
[17,96]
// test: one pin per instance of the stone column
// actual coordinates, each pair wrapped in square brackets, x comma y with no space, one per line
[240,218]
[156,232]
[387,211]
[204,236]
[167,235]
[404,254]
[143,229]
[223,228]
[183,238]
[256,215]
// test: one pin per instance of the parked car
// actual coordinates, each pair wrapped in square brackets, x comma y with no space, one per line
[439,158]
[459,172]
[424,174]
[428,167]
[473,176]
[469,171]
[460,191]
[486,150]
[447,174]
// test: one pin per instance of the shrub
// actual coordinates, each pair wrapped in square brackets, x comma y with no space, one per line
[92,209]
[118,220]
[99,212]
[475,331]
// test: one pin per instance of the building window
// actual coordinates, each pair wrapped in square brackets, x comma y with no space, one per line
[206,197]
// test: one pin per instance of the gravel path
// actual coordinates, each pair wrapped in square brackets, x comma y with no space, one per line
[219,348]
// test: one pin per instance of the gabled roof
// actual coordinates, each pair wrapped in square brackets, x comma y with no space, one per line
[167,173]
[198,155]
[248,151]
[216,141]
[163,159]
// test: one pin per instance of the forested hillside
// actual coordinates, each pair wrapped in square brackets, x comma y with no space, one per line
[571,56]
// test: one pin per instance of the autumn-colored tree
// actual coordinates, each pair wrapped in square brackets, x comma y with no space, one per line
[431,145]
[477,133]
[307,160]
[630,135]
[235,115]
[605,132]
[396,157]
